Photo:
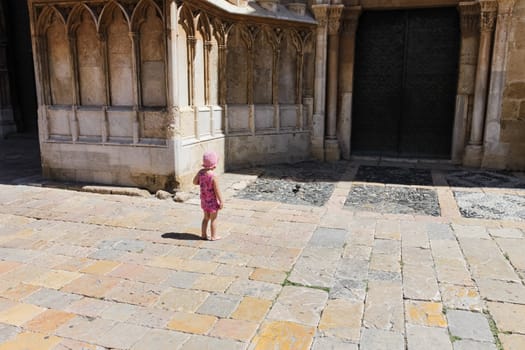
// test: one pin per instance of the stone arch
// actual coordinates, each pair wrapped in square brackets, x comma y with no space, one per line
[140,14]
[58,58]
[288,52]
[182,53]
[237,66]
[152,55]
[106,16]
[308,51]
[263,67]
[204,31]
[114,25]
[90,61]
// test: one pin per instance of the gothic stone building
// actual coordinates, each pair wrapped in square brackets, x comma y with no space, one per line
[132,92]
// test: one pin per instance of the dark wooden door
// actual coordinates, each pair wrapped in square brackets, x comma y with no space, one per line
[406,70]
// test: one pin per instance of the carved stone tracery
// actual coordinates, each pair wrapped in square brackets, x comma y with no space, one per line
[489,11]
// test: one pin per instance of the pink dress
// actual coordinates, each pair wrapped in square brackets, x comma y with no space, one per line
[209,202]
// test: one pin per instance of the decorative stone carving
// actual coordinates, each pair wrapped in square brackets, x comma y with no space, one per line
[334,16]
[350,20]
[469,17]
[320,14]
[489,10]
[297,8]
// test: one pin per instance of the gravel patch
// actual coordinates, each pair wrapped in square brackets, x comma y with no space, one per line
[490,206]
[495,179]
[393,200]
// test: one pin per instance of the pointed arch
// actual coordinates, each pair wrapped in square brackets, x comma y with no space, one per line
[75,17]
[89,56]
[46,17]
[287,66]
[204,26]
[152,54]
[58,57]
[107,14]
[186,20]
[141,11]
[115,27]
[237,65]
[263,66]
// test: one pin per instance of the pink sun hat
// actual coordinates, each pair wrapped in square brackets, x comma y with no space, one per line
[209,159]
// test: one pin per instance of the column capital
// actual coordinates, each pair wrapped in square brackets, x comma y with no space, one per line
[334,18]
[350,19]
[469,14]
[489,11]
[321,14]
[506,6]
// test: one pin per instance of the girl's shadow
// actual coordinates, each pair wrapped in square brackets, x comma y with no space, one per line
[181,236]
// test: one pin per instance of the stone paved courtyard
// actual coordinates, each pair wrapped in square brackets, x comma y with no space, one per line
[89,271]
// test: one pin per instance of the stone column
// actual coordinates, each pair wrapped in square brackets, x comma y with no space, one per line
[332,150]
[469,21]
[349,23]
[318,127]
[495,152]
[474,149]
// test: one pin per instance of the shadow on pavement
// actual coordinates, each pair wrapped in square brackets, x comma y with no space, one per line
[181,236]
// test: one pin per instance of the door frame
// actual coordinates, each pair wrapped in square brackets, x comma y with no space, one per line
[469,14]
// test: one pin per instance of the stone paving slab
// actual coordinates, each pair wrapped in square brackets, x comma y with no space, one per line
[96,271]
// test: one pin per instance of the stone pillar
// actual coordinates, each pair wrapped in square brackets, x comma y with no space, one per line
[495,152]
[469,21]
[318,127]
[332,150]
[349,23]
[474,150]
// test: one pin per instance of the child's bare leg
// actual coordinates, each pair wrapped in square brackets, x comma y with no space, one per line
[213,226]
[204,225]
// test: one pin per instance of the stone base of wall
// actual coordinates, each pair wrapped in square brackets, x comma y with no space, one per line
[252,150]
[151,168]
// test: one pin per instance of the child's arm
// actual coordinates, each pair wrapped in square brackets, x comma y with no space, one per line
[196,178]
[218,192]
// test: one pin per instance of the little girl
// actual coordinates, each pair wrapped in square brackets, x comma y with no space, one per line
[211,199]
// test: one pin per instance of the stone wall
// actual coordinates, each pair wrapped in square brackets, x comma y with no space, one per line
[513,109]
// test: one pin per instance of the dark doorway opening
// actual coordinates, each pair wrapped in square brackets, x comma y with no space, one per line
[20,65]
[405,82]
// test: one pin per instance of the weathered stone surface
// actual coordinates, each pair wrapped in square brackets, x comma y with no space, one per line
[329,343]
[342,319]
[122,335]
[473,345]
[384,306]
[461,297]
[486,260]
[420,337]
[469,325]
[182,197]
[495,290]
[28,340]
[234,329]
[508,317]
[425,314]
[512,341]
[299,305]
[160,194]
[420,283]
[191,323]
[284,335]
[220,305]
[328,237]
[375,339]
[160,339]
[20,314]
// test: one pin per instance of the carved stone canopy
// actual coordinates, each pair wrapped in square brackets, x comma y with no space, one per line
[334,16]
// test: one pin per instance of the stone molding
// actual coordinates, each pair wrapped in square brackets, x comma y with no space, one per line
[321,14]
[350,20]
[334,19]
[469,17]
[489,10]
